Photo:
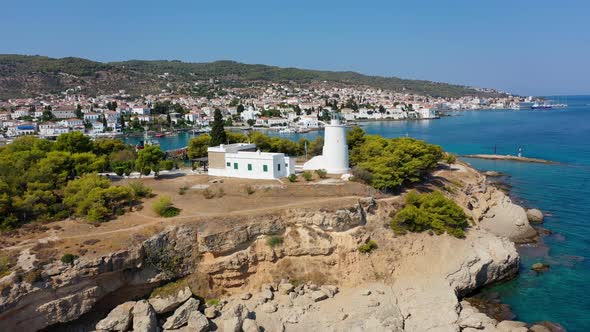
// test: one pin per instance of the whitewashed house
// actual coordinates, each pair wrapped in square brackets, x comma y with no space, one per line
[242,161]
[91,117]
[52,129]
[309,122]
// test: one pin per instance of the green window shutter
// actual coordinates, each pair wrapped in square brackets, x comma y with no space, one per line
[228,164]
[249,167]
[235,165]
[265,168]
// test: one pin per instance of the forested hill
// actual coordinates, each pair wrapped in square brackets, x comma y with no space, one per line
[24,76]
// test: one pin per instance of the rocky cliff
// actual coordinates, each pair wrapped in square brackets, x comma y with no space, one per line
[419,271]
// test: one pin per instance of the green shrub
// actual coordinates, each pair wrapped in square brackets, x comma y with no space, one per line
[322,173]
[292,178]
[140,190]
[146,171]
[208,193]
[163,258]
[274,240]
[167,164]
[163,207]
[450,158]
[212,302]
[361,175]
[68,258]
[4,265]
[119,170]
[33,276]
[431,211]
[250,190]
[168,289]
[182,190]
[368,247]
[307,175]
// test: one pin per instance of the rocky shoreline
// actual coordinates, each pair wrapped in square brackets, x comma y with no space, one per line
[418,280]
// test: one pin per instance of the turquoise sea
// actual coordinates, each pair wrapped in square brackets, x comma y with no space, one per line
[562,191]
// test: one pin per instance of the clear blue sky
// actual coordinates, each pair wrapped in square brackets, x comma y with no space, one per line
[527,47]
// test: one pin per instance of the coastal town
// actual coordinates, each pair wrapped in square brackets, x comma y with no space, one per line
[285,107]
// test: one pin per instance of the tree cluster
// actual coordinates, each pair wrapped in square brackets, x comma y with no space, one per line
[430,211]
[42,180]
[391,163]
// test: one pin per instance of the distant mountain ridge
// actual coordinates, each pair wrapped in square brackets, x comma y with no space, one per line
[26,76]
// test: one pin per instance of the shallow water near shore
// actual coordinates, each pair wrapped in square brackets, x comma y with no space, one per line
[561,190]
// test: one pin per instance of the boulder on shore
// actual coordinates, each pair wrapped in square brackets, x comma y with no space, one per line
[198,322]
[535,216]
[144,317]
[166,303]
[181,315]
[119,319]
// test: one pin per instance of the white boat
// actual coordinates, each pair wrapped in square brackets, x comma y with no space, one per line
[286,131]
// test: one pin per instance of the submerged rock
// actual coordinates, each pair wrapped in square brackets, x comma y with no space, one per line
[540,267]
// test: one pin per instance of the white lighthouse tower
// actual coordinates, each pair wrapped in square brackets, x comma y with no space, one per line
[334,158]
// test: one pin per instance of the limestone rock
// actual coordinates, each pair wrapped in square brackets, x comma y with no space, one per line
[144,317]
[505,218]
[373,303]
[329,290]
[365,292]
[318,295]
[250,325]
[119,319]
[181,315]
[233,317]
[233,324]
[267,294]
[269,307]
[285,288]
[163,304]
[210,312]
[535,216]
[510,325]
[539,328]
[246,296]
[197,322]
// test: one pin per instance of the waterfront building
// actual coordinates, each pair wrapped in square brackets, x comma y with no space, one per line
[21,130]
[242,160]
[52,129]
[426,113]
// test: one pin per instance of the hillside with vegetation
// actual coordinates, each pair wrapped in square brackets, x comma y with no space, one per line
[25,76]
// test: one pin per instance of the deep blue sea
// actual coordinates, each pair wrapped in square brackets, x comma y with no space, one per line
[562,191]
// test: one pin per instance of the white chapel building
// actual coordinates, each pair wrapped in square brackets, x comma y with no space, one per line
[243,160]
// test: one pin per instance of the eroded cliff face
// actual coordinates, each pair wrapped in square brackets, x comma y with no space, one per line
[318,246]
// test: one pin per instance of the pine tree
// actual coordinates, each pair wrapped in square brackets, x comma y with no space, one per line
[78,112]
[217,131]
